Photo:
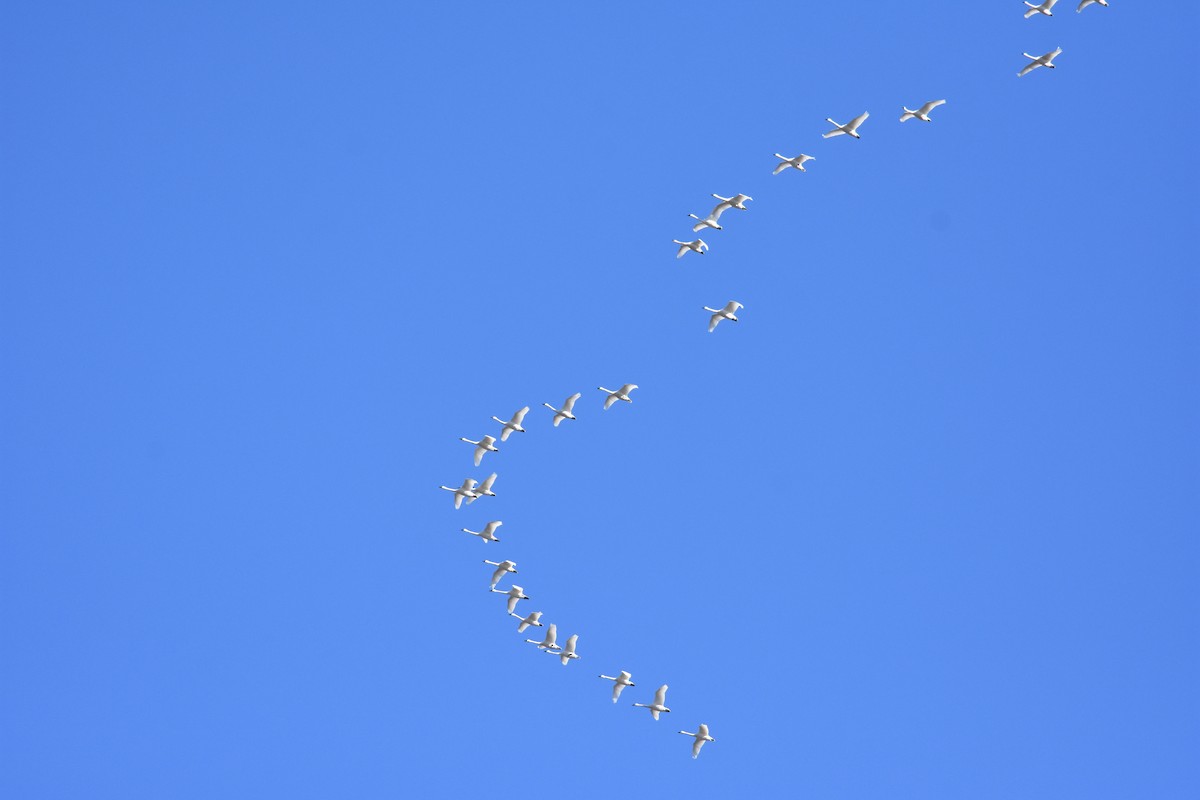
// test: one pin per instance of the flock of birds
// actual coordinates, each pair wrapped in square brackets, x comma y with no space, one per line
[471,490]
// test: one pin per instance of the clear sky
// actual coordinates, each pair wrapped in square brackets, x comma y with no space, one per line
[922,524]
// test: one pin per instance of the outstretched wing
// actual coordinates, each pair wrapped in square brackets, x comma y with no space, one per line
[512,604]
[654,713]
[608,401]
[660,697]
[732,306]
[569,405]
[617,687]
[627,388]
[486,486]
[479,451]
[519,417]
[859,120]
[696,745]
[781,166]
[683,248]
[1028,68]
[931,105]
[832,133]
[712,322]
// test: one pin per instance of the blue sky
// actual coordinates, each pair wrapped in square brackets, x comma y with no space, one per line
[922,524]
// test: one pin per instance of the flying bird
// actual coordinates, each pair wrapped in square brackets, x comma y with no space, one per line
[719,314]
[738,201]
[921,113]
[502,568]
[619,394]
[565,412]
[532,619]
[485,445]
[488,534]
[619,683]
[1039,61]
[701,736]
[514,594]
[483,490]
[850,127]
[466,491]
[660,698]
[548,642]
[513,424]
[711,220]
[1041,8]
[568,652]
[1085,3]
[697,246]
[797,162]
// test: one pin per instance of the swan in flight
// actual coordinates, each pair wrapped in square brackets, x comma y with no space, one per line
[719,314]
[1043,8]
[850,127]
[513,424]
[502,569]
[660,698]
[568,652]
[488,534]
[697,246]
[921,113]
[797,162]
[548,643]
[514,594]
[565,412]
[1085,3]
[619,683]
[711,220]
[738,201]
[483,490]
[485,445]
[467,490]
[1039,61]
[532,619]
[619,394]
[701,736]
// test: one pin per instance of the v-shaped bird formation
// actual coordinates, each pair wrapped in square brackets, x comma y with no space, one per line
[471,490]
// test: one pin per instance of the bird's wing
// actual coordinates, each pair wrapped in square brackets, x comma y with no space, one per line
[627,388]
[519,417]
[617,687]
[1031,12]
[1050,4]
[660,697]
[557,419]
[490,528]
[512,604]
[608,401]
[1028,68]
[712,322]
[570,404]
[521,628]
[570,648]
[742,198]
[732,306]
[1057,52]
[458,501]
[504,434]
[625,675]
[719,209]
[683,248]
[781,167]
[487,483]
[468,485]
[906,116]
[703,729]
[654,713]
[479,451]
[803,158]
[696,745]
[859,120]
[832,133]
[931,105]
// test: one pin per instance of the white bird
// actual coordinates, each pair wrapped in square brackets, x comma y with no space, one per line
[568,652]
[619,394]
[711,220]
[548,643]
[467,491]
[1039,61]
[532,619]
[502,569]
[483,490]
[485,445]
[719,314]
[513,424]
[797,162]
[565,412]
[619,683]
[1042,8]
[738,201]
[514,594]
[921,113]
[488,534]
[701,736]
[850,127]
[697,246]
[660,698]
[1085,3]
